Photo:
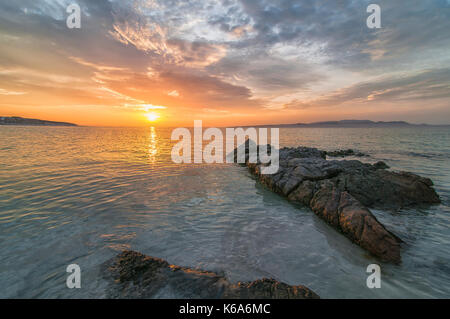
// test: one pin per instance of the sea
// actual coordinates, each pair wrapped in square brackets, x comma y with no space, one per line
[81,195]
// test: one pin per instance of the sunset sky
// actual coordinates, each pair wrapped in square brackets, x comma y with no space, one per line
[226,62]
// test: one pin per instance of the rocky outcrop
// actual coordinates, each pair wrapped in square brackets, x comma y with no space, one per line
[344,153]
[340,192]
[267,289]
[134,275]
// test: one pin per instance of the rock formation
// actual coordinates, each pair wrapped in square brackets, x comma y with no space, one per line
[344,153]
[134,275]
[340,193]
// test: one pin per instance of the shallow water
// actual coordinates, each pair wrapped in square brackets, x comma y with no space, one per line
[81,195]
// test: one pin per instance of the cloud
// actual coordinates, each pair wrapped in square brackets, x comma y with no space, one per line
[6,92]
[173,93]
[423,86]
[339,28]
[196,54]
[266,74]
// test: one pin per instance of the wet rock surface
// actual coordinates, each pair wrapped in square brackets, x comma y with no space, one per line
[341,191]
[134,275]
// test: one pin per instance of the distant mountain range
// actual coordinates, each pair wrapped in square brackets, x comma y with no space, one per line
[351,123]
[15,120]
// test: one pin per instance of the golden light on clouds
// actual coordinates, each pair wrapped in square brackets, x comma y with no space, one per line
[153,107]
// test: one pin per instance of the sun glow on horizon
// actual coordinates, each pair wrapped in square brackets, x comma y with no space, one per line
[152,116]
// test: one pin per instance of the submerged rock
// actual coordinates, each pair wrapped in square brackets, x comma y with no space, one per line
[340,192]
[134,275]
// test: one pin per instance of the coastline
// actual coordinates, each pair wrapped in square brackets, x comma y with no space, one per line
[20,121]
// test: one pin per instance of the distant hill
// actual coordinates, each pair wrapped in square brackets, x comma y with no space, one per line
[352,123]
[15,120]
[357,123]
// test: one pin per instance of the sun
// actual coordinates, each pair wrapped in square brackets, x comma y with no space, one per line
[152,116]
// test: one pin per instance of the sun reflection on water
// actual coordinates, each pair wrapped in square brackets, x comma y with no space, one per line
[153,145]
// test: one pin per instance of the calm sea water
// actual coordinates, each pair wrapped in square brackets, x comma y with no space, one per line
[81,195]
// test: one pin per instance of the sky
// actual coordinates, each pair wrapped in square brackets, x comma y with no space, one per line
[226,62]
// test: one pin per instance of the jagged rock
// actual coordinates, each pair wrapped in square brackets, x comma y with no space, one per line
[301,152]
[340,192]
[134,275]
[379,188]
[345,213]
[267,289]
[380,165]
[344,153]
